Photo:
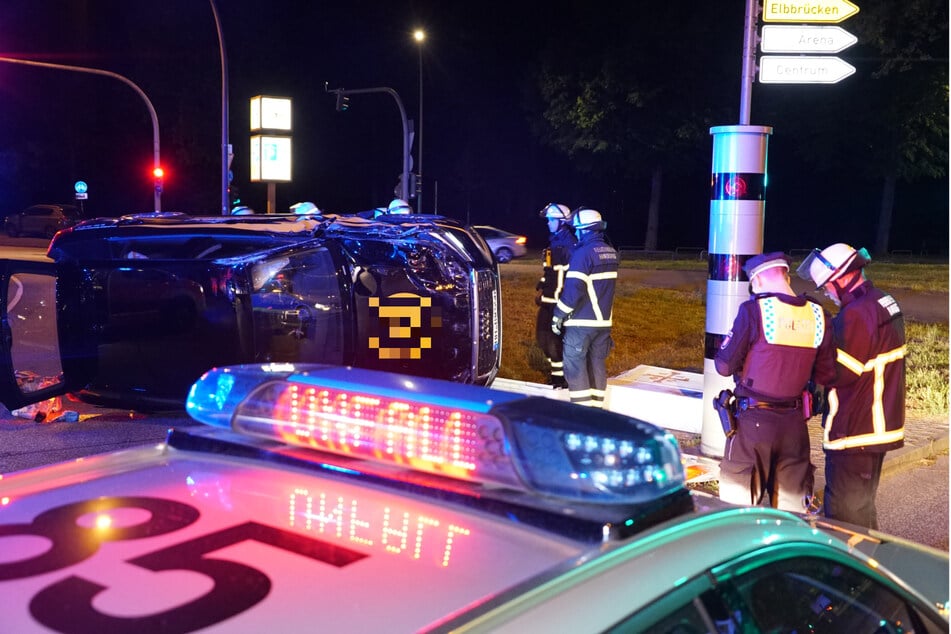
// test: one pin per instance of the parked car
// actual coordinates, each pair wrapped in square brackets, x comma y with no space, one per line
[505,245]
[41,220]
[318,498]
[134,309]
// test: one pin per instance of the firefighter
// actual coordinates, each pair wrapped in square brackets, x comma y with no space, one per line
[865,407]
[780,342]
[554,265]
[584,309]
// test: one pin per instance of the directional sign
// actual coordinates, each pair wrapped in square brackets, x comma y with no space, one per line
[824,11]
[804,69]
[805,39]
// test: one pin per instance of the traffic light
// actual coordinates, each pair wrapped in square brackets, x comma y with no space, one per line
[234,196]
[343,102]
[158,178]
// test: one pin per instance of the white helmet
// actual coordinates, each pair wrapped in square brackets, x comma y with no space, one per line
[588,219]
[553,211]
[832,263]
[399,206]
[242,210]
[305,208]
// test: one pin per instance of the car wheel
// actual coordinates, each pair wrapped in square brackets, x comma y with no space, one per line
[503,255]
[12,231]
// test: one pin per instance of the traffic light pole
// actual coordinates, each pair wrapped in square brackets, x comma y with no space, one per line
[156,162]
[343,92]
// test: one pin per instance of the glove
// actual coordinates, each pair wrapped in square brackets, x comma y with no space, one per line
[556,325]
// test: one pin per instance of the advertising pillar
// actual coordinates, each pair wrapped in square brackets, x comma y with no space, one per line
[737,212]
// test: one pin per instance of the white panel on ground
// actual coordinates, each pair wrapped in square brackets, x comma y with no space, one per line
[667,398]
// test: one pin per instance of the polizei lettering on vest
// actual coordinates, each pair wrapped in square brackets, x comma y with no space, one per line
[802,9]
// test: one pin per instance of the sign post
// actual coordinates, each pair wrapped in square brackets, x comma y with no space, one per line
[270,152]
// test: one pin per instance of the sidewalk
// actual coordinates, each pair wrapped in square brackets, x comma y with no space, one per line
[925,436]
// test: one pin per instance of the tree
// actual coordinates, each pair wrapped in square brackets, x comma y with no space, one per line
[614,110]
[889,121]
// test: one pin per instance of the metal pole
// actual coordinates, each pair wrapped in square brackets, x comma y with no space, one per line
[225,144]
[156,162]
[404,180]
[749,60]
[419,202]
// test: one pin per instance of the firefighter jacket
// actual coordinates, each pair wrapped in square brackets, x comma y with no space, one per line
[555,264]
[778,344]
[587,298]
[866,404]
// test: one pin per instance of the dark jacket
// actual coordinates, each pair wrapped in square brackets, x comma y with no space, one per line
[592,273]
[867,401]
[555,264]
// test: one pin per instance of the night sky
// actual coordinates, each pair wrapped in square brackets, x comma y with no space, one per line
[481,162]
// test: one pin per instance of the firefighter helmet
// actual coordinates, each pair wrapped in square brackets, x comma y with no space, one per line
[832,263]
[305,208]
[587,220]
[399,206]
[554,211]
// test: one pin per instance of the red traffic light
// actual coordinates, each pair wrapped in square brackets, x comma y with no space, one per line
[158,172]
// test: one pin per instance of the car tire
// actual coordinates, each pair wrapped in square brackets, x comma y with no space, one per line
[503,255]
[12,231]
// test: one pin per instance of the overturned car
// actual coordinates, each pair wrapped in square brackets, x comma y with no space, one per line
[132,310]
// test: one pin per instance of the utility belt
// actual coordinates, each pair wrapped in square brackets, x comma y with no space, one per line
[729,405]
[744,403]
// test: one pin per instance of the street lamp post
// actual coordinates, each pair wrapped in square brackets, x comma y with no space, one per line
[156,151]
[225,144]
[420,35]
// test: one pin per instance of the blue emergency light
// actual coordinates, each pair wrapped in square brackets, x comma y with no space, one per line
[449,429]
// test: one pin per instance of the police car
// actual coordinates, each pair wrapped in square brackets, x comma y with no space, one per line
[339,499]
[134,309]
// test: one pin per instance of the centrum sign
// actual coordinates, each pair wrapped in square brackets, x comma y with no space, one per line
[824,11]
[803,69]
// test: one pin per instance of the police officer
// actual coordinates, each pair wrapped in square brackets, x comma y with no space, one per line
[584,309]
[865,412]
[554,266]
[779,343]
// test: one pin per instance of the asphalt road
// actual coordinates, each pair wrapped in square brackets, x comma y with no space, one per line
[913,503]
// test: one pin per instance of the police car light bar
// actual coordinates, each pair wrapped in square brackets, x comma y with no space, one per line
[461,431]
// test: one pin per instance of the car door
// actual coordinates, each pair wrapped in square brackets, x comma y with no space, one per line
[31,359]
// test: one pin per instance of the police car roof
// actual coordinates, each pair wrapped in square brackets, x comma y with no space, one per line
[361,501]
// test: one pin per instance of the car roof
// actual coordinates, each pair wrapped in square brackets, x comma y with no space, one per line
[254,524]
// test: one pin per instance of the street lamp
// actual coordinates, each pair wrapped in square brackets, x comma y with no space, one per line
[419,35]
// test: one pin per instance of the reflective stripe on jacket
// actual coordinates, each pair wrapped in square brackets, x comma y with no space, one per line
[867,401]
[555,265]
[587,298]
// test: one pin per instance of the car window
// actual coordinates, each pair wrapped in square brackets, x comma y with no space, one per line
[298,309]
[692,608]
[822,596]
[34,345]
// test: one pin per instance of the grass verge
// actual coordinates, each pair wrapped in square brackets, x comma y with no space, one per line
[665,328]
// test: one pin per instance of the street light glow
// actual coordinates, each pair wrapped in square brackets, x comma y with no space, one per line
[419,35]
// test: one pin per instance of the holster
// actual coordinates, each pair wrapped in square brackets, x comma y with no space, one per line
[725,405]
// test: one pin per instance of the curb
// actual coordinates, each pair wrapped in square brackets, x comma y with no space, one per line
[899,458]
